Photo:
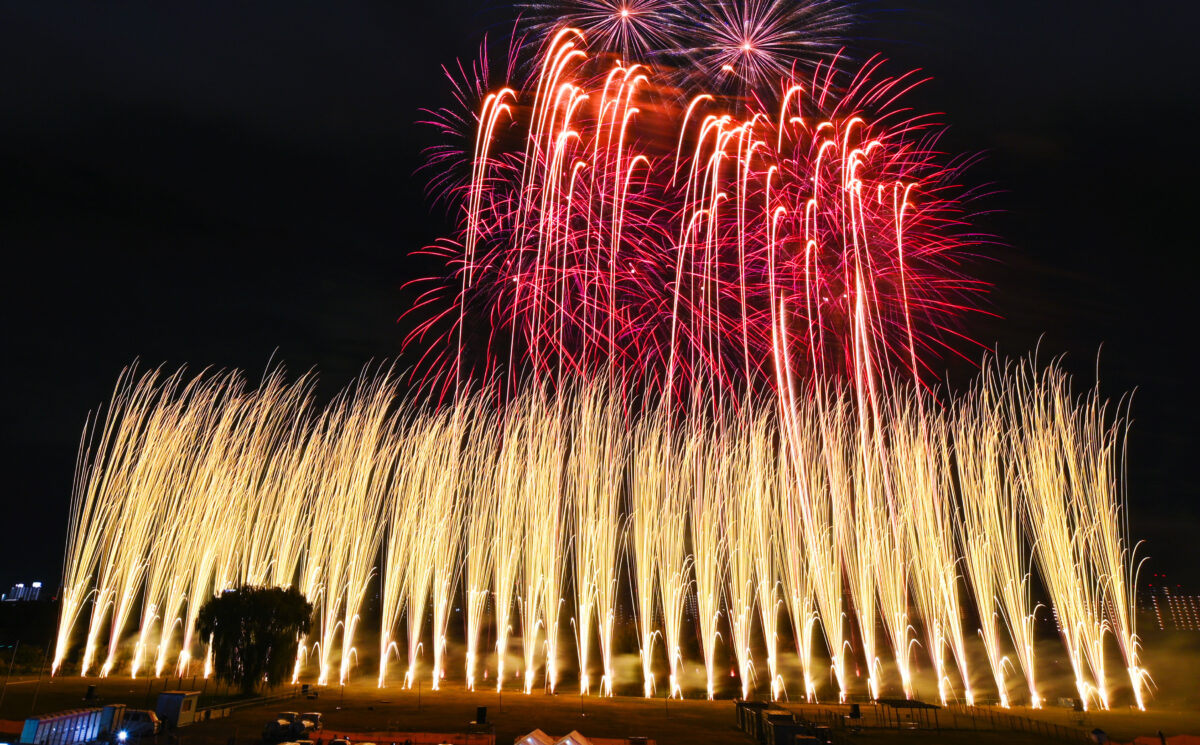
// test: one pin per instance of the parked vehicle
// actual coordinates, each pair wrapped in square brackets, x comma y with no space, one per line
[141,723]
[281,729]
[311,720]
[289,727]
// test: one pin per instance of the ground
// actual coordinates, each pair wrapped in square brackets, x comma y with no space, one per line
[362,707]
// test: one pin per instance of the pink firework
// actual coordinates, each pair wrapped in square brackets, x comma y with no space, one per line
[605,225]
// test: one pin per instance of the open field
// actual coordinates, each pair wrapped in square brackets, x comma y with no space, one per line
[361,707]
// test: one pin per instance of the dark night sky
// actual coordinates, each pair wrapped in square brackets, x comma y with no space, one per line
[212,183]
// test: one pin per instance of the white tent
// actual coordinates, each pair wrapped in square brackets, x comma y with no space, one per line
[537,737]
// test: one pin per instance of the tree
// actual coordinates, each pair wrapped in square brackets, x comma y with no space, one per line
[254,633]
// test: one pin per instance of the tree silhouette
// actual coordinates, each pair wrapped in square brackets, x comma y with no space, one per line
[254,633]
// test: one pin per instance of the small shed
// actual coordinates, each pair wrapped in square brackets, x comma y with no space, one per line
[177,708]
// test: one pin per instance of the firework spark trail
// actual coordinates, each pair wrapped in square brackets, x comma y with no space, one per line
[115,488]
[172,557]
[1091,448]
[891,580]
[276,466]
[183,567]
[396,554]
[352,443]
[555,520]
[1037,451]
[671,558]
[480,471]
[510,526]
[1097,447]
[978,448]
[370,473]
[89,516]
[543,545]
[161,579]
[606,530]
[425,492]
[447,526]
[909,467]
[907,492]
[921,466]
[331,503]
[1093,625]
[863,567]
[797,584]
[942,514]
[752,454]
[409,448]
[269,417]
[1009,534]
[587,463]
[1011,539]
[172,599]
[219,490]
[595,473]
[1104,507]
[151,469]
[814,485]
[533,512]
[828,521]
[648,488]
[766,549]
[714,483]
[292,473]
[839,457]
[216,511]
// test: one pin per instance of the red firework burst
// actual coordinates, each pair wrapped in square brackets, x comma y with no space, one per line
[605,225]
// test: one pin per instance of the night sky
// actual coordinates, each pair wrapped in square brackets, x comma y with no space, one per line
[227,183]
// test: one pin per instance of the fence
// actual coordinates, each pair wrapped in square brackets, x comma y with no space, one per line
[224,710]
[977,718]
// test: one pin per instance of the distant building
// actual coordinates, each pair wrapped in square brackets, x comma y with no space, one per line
[1173,610]
[1108,610]
[21,593]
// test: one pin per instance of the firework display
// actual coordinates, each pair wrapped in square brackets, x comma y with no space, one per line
[547,500]
[706,245]
[732,44]
[674,382]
